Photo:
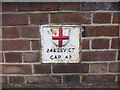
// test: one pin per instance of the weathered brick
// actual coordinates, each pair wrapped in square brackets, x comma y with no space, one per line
[16,80]
[36,45]
[95,31]
[16,69]
[85,44]
[114,67]
[13,57]
[98,55]
[100,43]
[30,32]
[102,18]
[12,32]
[14,19]
[38,6]
[3,80]
[15,45]
[98,68]
[42,69]
[71,79]
[1,57]
[70,68]
[7,6]
[39,18]
[71,6]
[43,80]
[70,18]
[98,78]
[115,43]
[116,18]
[31,57]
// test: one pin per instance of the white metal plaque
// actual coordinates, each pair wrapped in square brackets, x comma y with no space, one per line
[60,43]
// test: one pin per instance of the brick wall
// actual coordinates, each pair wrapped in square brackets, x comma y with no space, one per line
[21,48]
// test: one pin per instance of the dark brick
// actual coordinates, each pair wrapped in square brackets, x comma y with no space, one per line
[13,57]
[102,18]
[70,18]
[16,80]
[116,18]
[39,18]
[98,56]
[48,6]
[71,79]
[30,32]
[100,44]
[85,44]
[31,57]
[12,32]
[7,6]
[89,6]
[36,45]
[70,68]
[14,19]
[98,78]
[114,67]
[71,6]
[115,43]
[42,69]
[15,45]
[95,31]
[16,69]
[118,55]
[43,80]
[98,68]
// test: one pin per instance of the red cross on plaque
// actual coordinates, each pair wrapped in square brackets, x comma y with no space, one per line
[60,38]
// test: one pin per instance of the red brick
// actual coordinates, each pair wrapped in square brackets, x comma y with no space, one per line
[30,32]
[42,69]
[39,18]
[7,6]
[114,67]
[71,79]
[71,6]
[85,44]
[14,19]
[38,6]
[70,68]
[70,18]
[15,45]
[95,31]
[102,18]
[43,80]
[100,44]
[98,68]
[31,57]
[13,57]
[36,45]
[16,69]
[116,18]
[115,43]
[98,56]
[16,80]
[12,32]
[98,78]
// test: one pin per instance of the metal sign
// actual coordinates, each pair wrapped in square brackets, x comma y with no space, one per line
[60,43]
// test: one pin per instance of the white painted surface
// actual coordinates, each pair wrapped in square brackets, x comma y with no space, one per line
[68,53]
